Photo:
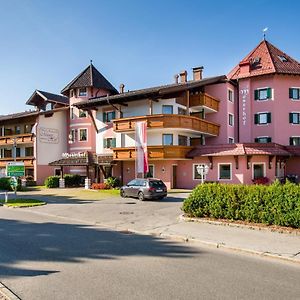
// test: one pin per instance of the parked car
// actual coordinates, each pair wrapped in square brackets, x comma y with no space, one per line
[148,188]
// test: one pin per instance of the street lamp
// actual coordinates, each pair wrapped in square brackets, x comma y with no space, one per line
[15,148]
[202,170]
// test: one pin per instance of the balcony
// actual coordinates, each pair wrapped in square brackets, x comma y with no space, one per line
[28,161]
[154,152]
[204,100]
[168,121]
[25,138]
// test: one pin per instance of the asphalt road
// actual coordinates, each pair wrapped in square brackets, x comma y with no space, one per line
[44,257]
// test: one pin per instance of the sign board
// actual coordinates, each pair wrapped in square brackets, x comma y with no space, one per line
[15,169]
[48,135]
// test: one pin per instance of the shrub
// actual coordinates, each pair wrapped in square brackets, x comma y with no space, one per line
[100,186]
[52,182]
[5,184]
[72,180]
[113,182]
[275,204]
[261,180]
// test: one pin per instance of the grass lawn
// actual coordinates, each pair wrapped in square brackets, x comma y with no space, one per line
[22,202]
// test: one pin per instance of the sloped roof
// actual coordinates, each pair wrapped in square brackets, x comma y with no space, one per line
[90,77]
[19,115]
[47,97]
[265,59]
[239,149]
[156,91]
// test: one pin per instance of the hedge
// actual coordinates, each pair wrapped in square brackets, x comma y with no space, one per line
[70,181]
[274,204]
[5,184]
[52,182]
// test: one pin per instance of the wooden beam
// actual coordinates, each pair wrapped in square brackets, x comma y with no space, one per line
[270,161]
[188,102]
[93,120]
[150,107]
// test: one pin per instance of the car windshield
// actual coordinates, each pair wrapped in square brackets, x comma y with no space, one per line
[156,183]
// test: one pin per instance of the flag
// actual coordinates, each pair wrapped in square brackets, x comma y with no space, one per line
[141,160]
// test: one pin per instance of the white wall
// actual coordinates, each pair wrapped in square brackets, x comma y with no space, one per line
[55,127]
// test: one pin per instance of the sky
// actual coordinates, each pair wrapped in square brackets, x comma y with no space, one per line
[45,44]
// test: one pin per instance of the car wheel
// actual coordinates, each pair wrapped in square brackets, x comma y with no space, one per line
[122,194]
[141,196]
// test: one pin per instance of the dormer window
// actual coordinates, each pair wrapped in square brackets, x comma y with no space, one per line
[49,106]
[282,58]
[82,92]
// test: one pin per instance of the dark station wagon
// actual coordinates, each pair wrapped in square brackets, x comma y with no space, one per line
[148,188]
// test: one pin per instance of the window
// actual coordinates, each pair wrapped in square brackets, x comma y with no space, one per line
[28,128]
[295,141]
[230,95]
[17,129]
[263,94]
[82,113]
[196,172]
[150,173]
[72,115]
[282,58]
[230,119]
[71,93]
[82,92]
[181,111]
[82,135]
[18,152]
[294,118]
[224,171]
[294,93]
[258,171]
[57,172]
[72,136]
[262,118]
[108,116]
[263,139]
[29,151]
[231,140]
[167,109]
[109,143]
[167,139]
[182,140]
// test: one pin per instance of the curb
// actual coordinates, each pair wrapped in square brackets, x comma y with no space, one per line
[8,294]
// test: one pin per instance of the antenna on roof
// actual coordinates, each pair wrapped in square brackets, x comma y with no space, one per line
[264,32]
[91,61]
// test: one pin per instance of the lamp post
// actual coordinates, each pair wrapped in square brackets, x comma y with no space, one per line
[202,170]
[15,149]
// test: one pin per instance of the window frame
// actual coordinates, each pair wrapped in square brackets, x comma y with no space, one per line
[294,88]
[194,171]
[259,90]
[263,137]
[291,118]
[230,91]
[232,119]
[183,136]
[258,114]
[219,169]
[81,111]
[264,169]
[79,136]
[82,95]
[153,173]
[105,144]
[230,138]
[106,119]
[294,137]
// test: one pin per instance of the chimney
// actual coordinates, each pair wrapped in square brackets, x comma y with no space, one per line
[197,73]
[176,78]
[183,76]
[121,89]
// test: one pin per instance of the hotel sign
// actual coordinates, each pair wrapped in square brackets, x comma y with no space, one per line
[74,155]
[48,135]
[244,93]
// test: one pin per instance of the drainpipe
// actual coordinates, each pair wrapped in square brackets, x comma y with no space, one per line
[238,111]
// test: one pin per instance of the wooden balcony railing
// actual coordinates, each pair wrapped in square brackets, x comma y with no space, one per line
[154,152]
[28,161]
[204,99]
[168,121]
[25,138]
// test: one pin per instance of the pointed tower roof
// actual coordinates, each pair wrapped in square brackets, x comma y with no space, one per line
[90,77]
[265,59]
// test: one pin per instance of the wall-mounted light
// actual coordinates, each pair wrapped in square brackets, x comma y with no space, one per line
[248,164]
[128,170]
[163,169]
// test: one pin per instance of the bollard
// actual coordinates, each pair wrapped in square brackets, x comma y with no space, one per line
[87,183]
[23,182]
[61,183]
[6,197]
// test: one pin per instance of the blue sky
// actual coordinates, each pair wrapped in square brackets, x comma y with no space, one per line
[44,44]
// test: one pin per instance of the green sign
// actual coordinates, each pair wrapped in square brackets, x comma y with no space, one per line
[15,169]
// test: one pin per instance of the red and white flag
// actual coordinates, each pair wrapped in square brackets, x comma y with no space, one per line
[141,160]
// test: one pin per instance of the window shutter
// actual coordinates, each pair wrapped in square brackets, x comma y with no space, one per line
[269,117]
[298,94]
[104,143]
[113,143]
[256,94]
[104,117]
[256,140]
[269,93]
[255,118]
[290,93]
[113,115]
[291,117]
[269,140]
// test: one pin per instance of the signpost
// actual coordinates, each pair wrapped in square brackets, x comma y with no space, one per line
[15,169]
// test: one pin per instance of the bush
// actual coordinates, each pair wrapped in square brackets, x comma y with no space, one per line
[274,204]
[52,182]
[72,180]
[113,182]
[5,184]
[261,180]
[100,186]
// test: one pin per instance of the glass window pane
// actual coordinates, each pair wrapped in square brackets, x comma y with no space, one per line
[225,171]
[82,135]
[167,139]
[263,94]
[258,171]
[262,118]
[167,109]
